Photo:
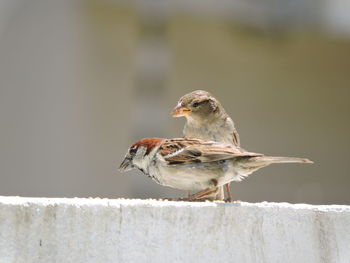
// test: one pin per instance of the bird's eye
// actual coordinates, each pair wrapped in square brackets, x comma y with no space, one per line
[133,150]
[195,105]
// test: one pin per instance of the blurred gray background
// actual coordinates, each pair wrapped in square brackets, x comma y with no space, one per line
[81,80]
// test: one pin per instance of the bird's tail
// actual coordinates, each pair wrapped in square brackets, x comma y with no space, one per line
[251,164]
[272,159]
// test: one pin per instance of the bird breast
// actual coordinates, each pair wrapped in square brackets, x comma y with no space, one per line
[220,131]
[194,177]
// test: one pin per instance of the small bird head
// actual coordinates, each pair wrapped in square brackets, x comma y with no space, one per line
[138,153]
[197,104]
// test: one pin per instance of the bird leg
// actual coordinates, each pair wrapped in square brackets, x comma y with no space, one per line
[208,193]
[221,195]
[189,193]
[228,192]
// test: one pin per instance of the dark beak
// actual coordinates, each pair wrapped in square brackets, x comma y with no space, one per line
[180,111]
[126,165]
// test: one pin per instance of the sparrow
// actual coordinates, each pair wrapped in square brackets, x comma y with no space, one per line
[207,119]
[196,165]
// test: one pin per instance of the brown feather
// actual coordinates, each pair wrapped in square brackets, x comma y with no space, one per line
[235,136]
[149,143]
[190,151]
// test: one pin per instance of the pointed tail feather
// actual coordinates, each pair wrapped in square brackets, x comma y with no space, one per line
[272,159]
[246,166]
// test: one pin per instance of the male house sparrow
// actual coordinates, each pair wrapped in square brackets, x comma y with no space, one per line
[207,119]
[195,165]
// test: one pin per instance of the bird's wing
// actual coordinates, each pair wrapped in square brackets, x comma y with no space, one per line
[189,151]
[235,137]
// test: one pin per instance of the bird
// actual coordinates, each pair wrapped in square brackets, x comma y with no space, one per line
[207,119]
[196,165]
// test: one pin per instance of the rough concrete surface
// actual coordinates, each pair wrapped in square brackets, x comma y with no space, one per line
[101,230]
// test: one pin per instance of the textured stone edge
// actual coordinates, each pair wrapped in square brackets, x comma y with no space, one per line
[17,200]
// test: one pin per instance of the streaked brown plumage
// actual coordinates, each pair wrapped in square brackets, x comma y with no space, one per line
[207,119]
[196,165]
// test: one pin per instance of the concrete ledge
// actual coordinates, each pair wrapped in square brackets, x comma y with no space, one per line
[101,230]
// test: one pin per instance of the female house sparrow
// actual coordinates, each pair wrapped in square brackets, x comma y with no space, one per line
[195,165]
[207,120]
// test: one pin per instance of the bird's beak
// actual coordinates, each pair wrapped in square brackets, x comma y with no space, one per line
[180,111]
[126,165]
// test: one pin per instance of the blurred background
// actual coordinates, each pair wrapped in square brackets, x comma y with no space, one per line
[81,80]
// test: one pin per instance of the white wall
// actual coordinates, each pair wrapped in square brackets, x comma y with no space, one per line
[101,230]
